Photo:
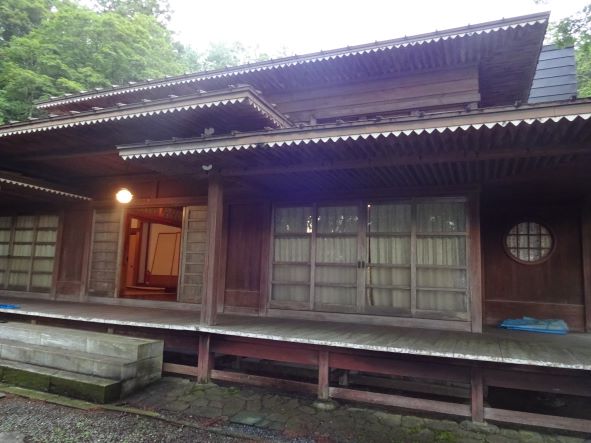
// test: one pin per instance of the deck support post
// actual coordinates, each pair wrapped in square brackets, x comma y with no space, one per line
[215,206]
[586,254]
[204,359]
[477,395]
[323,375]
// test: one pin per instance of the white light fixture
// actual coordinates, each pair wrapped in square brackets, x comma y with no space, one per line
[124,196]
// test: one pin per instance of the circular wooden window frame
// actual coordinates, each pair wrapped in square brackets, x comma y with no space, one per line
[524,262]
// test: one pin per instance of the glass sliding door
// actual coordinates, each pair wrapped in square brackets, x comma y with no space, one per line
[336,258]
[388,258]
[442,280]
[292,246]
[388,269]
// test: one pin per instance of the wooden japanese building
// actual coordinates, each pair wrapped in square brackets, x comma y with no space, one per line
[375,209]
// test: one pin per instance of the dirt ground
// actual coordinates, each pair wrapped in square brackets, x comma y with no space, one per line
[179,410]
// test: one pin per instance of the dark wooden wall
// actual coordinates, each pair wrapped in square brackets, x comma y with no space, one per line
[435,89]
[73,253]
[246,232]
[551,289]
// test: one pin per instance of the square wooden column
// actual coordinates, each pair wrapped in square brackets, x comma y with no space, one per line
[323,375]
[586,254]
[215,206]
[204,359]
[477,395]
[475,263]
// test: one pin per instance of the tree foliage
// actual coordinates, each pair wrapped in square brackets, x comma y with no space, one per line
[576,30]
[53,47]
[160,9]
[56,47]
[19,17]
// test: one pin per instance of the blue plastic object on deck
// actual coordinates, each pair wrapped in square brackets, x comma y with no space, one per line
[10,307]
[535,325]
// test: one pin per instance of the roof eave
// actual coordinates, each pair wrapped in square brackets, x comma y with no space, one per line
[478,119]
[213,98]
[294,60]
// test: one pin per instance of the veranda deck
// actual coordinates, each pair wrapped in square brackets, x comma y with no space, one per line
[572,351]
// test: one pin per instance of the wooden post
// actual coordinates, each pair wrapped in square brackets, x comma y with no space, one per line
[323,375]
[586,253]
[344,378]
[215,209]
[204,359]
[477,395]
[475,264]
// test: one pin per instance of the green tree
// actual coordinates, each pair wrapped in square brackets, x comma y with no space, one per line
[19,17]
[576,30]
[76,48]
[159,9]
[52,47]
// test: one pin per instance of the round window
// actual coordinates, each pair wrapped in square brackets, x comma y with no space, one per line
[529,242]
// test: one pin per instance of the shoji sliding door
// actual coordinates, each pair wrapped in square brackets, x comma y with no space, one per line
[105,252]
[27,252]
[398,258]
[193,250]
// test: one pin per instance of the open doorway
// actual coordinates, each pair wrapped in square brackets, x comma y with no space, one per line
[152,253]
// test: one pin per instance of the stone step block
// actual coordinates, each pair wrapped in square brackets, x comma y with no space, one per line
[74,361]
[84,341]
[67,383]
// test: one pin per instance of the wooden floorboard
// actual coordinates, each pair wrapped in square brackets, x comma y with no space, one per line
[572,351]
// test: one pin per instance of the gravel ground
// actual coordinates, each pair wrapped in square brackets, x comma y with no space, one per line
[48,423]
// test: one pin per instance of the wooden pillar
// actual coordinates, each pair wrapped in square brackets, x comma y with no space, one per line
[475,264]
[323,375]
[586,253]
[477,395]
[204,359]
[215,208]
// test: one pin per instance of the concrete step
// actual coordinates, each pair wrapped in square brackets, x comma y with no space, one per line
[71,384]
[134,362]
[84,341]
[56,358]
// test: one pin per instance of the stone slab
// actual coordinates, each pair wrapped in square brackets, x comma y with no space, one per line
[84,341]
[85,387]
[75,361]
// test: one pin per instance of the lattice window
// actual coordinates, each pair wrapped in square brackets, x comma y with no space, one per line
[27,252]
[529,242]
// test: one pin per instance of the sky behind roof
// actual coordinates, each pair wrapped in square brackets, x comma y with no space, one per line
[281,27]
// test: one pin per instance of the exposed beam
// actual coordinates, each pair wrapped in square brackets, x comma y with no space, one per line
[392,160]
[67,154]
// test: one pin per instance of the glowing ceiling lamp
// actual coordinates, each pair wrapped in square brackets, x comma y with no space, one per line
[124,196]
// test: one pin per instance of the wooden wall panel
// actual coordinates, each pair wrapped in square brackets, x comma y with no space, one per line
[246,230]
[434,89]
[551,289]
[73,251]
